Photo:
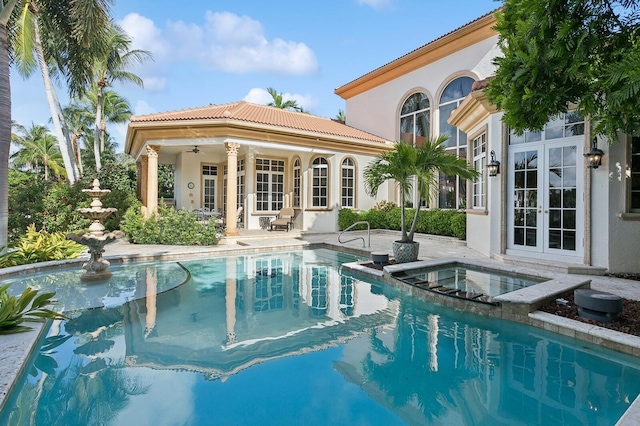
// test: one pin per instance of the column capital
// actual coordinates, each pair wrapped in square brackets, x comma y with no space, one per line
[152,150]
[232,148]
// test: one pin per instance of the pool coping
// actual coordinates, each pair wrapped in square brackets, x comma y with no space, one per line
[520,305]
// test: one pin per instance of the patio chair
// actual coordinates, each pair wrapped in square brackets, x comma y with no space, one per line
[240,217]
[284,219]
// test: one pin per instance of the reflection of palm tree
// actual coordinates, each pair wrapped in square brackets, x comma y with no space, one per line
[405,375]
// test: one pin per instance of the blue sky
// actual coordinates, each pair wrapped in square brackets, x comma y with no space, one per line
[215,52]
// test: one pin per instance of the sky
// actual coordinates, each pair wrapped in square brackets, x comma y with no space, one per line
[216,52]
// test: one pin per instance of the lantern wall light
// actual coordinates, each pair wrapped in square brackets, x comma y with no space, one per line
[494,166]
[594,157]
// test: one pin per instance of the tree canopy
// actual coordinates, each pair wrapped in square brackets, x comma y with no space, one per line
[560,53]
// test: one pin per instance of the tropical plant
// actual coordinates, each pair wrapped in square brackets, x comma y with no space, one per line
[110,67]
[410,166]
[29,305]
[558,53]
[38,149]
[341,116]
[279,102]
[71,34]
[40,246]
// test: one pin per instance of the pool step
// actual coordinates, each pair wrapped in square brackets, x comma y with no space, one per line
[567,268]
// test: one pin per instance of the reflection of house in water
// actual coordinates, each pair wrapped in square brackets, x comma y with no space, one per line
[435,369]
[239,311]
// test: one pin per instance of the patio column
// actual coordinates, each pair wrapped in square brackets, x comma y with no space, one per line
[232,188]
[142,184]
[152,179]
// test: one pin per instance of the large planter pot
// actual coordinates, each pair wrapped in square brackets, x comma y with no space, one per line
[405,252]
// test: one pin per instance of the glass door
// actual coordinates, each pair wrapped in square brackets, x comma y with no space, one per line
[209,193]
[544,198]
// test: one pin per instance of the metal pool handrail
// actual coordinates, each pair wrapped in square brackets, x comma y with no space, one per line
[362,222]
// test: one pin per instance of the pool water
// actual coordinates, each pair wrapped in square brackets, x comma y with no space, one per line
[471,282]
[289,338]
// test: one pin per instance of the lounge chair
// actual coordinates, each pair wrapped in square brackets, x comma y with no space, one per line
[284,219]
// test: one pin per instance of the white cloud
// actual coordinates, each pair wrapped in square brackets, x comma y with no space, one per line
[261,96]
[258,96]
[145,35]
[237,44]
[376,4]
[142,108]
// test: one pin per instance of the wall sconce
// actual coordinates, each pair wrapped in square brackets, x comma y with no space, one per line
[494,166]
[594,157]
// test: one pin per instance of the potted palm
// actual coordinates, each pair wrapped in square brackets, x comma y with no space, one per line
[408,165]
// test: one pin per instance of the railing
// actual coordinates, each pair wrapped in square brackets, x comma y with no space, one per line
[362,222]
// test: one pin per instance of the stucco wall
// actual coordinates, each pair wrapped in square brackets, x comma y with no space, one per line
[624,232]
[376,110]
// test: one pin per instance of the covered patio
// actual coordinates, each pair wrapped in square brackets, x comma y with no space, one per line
[277,158]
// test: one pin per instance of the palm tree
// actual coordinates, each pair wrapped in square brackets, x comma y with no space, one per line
[408,165]
[279,102]
[38,148]
[72,33]
[111,67]
[341,116]
[28,42]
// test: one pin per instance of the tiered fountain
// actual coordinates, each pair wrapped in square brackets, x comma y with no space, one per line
[96,238]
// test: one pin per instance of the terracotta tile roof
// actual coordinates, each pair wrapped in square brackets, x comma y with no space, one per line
[261,114]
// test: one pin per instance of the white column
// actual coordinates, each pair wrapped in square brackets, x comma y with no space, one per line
[232,188]
[152,179]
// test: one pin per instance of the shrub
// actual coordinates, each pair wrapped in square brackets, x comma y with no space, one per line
[41,246]
[385,206]
[377,218]
[169,226]
[346,218]
[459,225]
[60,204]
[13,310]
[394,217]
[25,200]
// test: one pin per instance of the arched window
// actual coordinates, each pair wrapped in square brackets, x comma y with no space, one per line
[453,190]
[348,185]
[320,182]
[297,182]
[415,119]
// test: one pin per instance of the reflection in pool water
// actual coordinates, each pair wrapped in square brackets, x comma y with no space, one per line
[287,339]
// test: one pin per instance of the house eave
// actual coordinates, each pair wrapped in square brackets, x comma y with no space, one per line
[139,134]
[472,111]
[462,38]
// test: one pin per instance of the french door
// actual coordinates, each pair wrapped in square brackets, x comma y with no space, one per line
[545,213]
[209,192]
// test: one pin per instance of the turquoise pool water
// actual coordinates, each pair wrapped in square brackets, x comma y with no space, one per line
[288,338]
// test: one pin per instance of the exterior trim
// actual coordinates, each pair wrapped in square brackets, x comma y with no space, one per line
[468,35]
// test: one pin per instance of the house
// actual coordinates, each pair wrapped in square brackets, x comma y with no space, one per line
[545,205]
[277,158]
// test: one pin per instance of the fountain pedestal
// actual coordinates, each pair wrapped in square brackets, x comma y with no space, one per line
[96,238]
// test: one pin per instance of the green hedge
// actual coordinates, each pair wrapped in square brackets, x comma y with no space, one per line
[450,223]
[170,226]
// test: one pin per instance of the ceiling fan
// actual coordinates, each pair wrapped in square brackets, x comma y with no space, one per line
[195,149]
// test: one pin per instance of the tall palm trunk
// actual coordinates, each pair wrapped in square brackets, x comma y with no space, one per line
[97,148]
[5,131]
[59,124]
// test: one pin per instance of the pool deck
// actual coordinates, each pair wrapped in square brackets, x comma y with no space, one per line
[516,306]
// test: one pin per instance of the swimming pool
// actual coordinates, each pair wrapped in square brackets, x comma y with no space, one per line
[290,338]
